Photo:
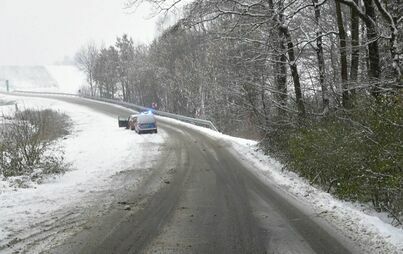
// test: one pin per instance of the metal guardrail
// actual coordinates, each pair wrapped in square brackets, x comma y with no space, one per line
[191,120]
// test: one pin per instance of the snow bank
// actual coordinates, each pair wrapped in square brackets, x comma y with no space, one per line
[96,148]
[358,222]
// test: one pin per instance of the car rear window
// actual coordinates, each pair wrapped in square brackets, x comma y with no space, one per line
[146,119]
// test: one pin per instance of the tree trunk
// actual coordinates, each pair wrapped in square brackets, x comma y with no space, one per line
[281,76]
[355,50]
[321,60]
[123,90]
[278,17]
[343,56]
[373,48]
[101,92]
[393,48]
[294,71]
[264,106]
[91,81]
[202,102]
[333,60]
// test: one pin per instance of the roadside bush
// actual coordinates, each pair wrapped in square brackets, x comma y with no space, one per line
[26,140]
[356,155]
[51,124]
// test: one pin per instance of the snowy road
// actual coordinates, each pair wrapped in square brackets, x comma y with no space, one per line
[196,196]
[209,202]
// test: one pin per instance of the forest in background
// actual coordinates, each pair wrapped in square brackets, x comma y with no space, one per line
[318,82]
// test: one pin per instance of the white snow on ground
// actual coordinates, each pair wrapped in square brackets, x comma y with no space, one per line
[358,222]
[68,78]
[96,148]
[95,135]
[43,78]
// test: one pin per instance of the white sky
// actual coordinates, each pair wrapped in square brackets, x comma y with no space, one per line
[36,32]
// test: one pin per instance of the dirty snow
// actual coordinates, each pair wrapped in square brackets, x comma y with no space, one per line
[96,149]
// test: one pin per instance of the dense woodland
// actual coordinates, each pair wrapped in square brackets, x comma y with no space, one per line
[319,82]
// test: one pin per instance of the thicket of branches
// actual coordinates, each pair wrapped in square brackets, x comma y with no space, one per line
[26,139]
[319,81]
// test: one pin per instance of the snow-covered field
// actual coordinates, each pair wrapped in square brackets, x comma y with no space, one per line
[97,150]
[46,78]
[359,222]
[68,78]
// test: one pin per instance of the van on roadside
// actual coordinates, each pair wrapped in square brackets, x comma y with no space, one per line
[145,123]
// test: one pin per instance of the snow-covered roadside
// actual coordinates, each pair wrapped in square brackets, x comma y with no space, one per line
[97,150]
[360,223]
[97,136]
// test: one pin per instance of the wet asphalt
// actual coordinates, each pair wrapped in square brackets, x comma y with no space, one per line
[201,197]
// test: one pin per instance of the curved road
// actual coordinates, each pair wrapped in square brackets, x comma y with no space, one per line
[209,202]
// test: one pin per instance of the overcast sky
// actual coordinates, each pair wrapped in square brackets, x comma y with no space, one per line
[36,32]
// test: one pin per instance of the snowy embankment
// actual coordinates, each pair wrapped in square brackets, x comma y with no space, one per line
[96,148]
[371,230]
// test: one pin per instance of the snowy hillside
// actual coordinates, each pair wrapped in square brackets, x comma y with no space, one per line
[52,78]
[68,78]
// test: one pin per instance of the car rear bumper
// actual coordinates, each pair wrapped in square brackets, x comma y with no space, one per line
[147,129]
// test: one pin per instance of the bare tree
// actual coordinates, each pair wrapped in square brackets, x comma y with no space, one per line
[85,60]
[262,64]
[124,46]
[392,16]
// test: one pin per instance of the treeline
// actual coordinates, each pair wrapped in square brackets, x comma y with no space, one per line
[319,82]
